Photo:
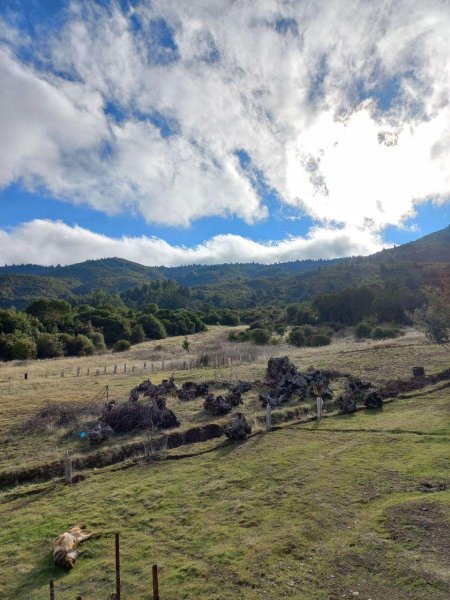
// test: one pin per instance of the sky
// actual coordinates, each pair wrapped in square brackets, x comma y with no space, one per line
[209,131]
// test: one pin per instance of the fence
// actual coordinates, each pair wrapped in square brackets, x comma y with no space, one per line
[142,368]
[117,595]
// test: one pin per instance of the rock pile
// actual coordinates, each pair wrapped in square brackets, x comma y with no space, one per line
[191,390]
[221,405]
[238,428]
[285,381]
[357,390]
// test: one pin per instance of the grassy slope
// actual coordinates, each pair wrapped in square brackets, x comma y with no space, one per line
[20,399]
[292,514]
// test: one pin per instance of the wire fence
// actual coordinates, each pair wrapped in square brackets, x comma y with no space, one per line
[217,361]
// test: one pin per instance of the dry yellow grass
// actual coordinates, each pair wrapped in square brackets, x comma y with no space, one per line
[20,399]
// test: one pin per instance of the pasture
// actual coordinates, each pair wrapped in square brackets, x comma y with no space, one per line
[352,506]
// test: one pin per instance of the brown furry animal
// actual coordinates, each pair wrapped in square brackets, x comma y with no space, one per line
[64,552]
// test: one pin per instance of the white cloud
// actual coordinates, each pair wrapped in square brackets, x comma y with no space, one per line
[57,243]
[285,82]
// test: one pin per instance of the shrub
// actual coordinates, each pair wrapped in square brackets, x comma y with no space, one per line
[296,337]
[49,346]
[121,346]
[384,333]
[363,331]
[260,336]
[137,334]
[98,340]
[319,339]
[22,347]
[229,317]
[153,327]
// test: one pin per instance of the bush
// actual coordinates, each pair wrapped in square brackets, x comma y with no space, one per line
[385,333]
[229,317]
[121,346]
[363,331]
[211,318]
[22,348]
[49,346]
[241,336]
[98,340]
[152,326]
[260,336]
[137,334]
[296,337]
[319,339]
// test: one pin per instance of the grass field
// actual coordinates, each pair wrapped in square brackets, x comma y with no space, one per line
[20,399]
[336,509]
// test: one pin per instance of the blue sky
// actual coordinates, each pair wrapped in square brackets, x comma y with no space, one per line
[168,133]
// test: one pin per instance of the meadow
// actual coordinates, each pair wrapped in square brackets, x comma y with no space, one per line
[352,506]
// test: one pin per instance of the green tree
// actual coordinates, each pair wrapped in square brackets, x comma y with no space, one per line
[296,337]
[153,327]
[363,331]
[186,345]
[49,346]
[121,346]
[137,334]
[261,337]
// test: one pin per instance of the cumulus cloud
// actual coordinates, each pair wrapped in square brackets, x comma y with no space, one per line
[342,107]
[54,242]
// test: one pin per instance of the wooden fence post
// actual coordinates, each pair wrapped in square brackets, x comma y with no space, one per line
[97,372]
[62,373]
[319,402]
[88,371]
[68,469]
[52,590]
[104,370]
[26,376]
[115,369]
[117,567]
[78,371]
[155,582]
[125,368]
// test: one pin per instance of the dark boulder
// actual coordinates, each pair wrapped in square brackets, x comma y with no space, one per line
[346,403]
[238,428]
[373,400]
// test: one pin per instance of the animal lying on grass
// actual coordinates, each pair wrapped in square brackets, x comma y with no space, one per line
[64,547]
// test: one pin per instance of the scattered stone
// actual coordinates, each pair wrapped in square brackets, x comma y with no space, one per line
[191,390]
[99,432]
[346,403]
[372,400]
[217,405]
[238,428]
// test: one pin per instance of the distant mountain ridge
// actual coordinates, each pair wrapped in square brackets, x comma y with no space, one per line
[427,258]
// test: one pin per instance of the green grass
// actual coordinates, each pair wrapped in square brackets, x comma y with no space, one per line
[20,399]
[292,514]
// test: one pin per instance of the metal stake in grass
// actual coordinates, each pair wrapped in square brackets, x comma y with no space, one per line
[117,566]
[52,590]
[155,582]
[268,416]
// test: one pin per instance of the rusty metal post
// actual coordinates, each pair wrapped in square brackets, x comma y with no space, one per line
[52,590]
[117,566]
[155,582]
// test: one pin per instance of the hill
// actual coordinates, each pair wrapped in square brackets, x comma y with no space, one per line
[423,262]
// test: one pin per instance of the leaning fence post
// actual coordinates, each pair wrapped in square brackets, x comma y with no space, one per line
[68,469]
[268,416]
[155,582]
[52,590]
[117,566]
